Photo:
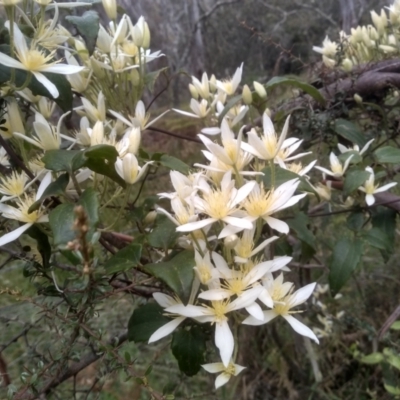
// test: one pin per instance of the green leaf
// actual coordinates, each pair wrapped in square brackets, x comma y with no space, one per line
[189,347]
[61,221]
[395,391]
[174,164]
[231,103]
[124,260]
[392,358]
[349,131]
[385,219]
[43,244]
[277,177]
[164,234]
[177,273]
[144,321]
[300,225]
[353,180]
[61,160]
[150,78]
[62,218]
[100,159]
[395,326]
[345,258]
[355,221]
[56,188]
[373,358]
[377,238]
[388,154]
[88,27]
[311,90]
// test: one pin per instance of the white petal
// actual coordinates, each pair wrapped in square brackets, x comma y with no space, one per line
[269,315]
[302,294]
[211,131]
[188,311]
[214,294]
[164,300]
[256,311]
[224,341]
[222,379]
[52,89]
[187,114]
[43,185]
[15,234]
[213,368]
[385,187]
[166,329]
[239,222]
[10,62]
[277,224]
[300,328]
[370,199]
[19,39]
[63,69]
[194,226]
[266,298]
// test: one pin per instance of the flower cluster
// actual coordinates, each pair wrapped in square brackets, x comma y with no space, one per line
[374,42]
[225,209]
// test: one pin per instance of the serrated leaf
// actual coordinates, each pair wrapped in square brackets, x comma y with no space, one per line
[164,234]
[353,180]
[231,103]
[305,87]
[55,188]
[174,164]
[144,321]
[124,260]
[61,160]
[177,273]
[345,258]
[300,225]
[189,347]
[88,27]
[100,159]
[349,131]
[374,358]
[388,154]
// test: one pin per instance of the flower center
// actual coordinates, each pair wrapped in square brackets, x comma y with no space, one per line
[217,204]
[35,60]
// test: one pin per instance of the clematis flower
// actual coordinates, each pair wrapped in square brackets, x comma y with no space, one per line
[129,170]
[268,146]
[14,185]
[262,204]
[337,168]
[221,205]
[216,314]
[370,188]
[229,86]
[283,309]
[200,109]
[21,214]
[356,148]
[36,61]
[227,372]
[202,87]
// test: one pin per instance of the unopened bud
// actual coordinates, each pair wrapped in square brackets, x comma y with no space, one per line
[141,34]
[396,93]
[135,77]
[260,89]
[347,65]
[150,218]
[231,241]
[193,92]
[213,83]
[358,99]
[110,7]
[246,95]
[268,112]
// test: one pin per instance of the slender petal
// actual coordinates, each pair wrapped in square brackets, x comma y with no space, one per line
[15,234]
[300,328]
[166,329]
[224,341]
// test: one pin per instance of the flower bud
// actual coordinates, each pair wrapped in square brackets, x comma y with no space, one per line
[135,77]
[193,92]
[141,34]
[347,65]
[213,83]
[260,89]
[246,95]
[150,218]
[268,112]
[231,241]
[110,7]
[358,99]
[97,134]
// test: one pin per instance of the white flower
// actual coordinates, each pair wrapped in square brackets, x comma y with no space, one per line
[337,169]
[216,314]
[220,205]
[328,48]
[262,204]
[200,109]
[231,370]
[283,308]
[344,149]
[202,87]
[268,146]
[129,170]
[370,188]
[229,86]
[20,213]
[36,61]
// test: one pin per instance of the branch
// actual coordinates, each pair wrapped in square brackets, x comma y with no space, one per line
[70,372]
